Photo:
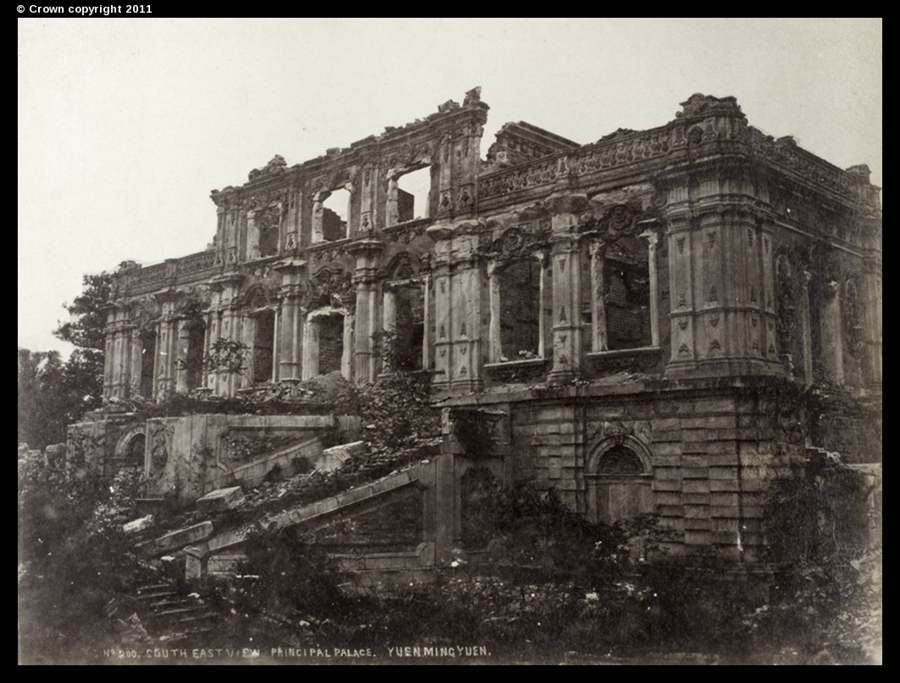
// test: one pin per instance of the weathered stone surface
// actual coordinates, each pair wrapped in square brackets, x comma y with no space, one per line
[633,296]
[220,500]
[332,458]
[178,539]
[138,524]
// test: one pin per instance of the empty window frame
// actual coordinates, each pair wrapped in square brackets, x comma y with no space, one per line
[193,360]
[266,230]
[623,291]
[408,195]
[263,345]
[404,323]
[331,215]
[148,364]
[520,310]
[413,193]
[331,343]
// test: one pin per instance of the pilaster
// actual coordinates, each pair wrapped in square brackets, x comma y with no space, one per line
[565,260]
[367,319]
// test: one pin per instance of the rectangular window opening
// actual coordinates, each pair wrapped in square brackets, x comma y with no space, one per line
[331,343]
[263,340]
[520,310]
[335,215]
[413,192]
[627,301]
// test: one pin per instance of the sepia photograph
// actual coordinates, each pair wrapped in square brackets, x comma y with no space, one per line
[448,341]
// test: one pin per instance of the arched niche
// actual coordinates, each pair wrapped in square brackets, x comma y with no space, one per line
[131,448]
[618,479]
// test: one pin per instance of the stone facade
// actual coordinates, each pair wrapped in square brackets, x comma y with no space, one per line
[661,321]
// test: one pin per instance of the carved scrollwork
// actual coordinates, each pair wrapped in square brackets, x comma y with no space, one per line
[329,287]
[400,267]
[276,165]
[516,243]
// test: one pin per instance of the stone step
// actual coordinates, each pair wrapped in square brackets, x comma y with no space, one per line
[198,619]
[184,602]
[174,612]
[156,595]
[185,636]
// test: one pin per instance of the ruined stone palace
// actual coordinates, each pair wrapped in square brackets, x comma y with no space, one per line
[662,321]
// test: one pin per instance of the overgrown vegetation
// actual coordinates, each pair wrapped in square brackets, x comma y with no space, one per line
[73,557]
[53,393]
[568,587]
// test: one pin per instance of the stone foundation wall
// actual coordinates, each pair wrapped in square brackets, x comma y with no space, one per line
[703,463]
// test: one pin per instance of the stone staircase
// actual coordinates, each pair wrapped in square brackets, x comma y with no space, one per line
[170,615]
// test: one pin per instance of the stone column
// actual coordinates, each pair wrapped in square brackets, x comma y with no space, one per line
[181,352]
[652,240]
[227,325]
[166,353]
[598,293]
[364,364]
[108,356]
[247,333]
[317,215]
[445,177]
[288,339]
[870,304]
[389,308]
[347,355]
[545,324]
[252,236]
[426,323]
[393,212]
[310,365]
[567,326]
[832,337]
[137,352]
[806,328]
[494,349]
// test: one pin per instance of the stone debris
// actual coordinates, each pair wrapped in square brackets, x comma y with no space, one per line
[137,525]
[333,458]
[220,500]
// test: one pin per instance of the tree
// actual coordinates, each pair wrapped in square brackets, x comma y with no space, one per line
[87,331]
[83,372]
[41,403]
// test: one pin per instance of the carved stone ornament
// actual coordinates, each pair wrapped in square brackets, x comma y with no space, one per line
[515,243]
[705,105]
[329,287]
[620,220]
[276,165]
[400,267]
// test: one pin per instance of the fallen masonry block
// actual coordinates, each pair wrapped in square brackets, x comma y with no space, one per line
[138,524]
[220,500]
[177,539]
[332,458]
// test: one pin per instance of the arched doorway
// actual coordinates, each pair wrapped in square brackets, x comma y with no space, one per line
[618,480]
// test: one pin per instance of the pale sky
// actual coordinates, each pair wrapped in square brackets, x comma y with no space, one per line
[126,125]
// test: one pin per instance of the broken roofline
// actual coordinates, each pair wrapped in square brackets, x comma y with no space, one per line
[698,114]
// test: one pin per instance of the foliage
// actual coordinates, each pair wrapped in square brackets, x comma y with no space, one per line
[52,394]
[286,572]
[474,429]
[399,407]
[72,556]
[396,356]
[87,330]
[226,355]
